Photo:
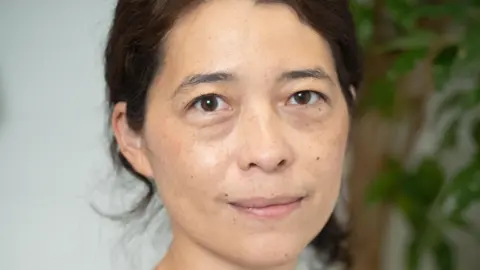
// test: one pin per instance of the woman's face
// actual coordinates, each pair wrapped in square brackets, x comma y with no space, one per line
[245,132]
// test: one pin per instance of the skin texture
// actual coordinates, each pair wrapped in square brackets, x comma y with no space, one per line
[258,141]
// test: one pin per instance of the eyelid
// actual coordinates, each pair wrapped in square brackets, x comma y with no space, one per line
[321,96]
[192,104]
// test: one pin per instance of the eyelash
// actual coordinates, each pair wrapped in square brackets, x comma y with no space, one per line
[196,102]
[319,95]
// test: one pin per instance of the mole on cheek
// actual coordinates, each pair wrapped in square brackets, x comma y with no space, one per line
[318,158]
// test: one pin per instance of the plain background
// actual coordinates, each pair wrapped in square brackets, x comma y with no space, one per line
[52,141]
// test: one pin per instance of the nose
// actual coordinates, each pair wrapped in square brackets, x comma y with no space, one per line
[264,145]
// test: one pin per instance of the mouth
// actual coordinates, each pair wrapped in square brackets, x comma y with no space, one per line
[268,208]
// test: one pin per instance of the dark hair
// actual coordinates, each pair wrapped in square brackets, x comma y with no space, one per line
[134,56]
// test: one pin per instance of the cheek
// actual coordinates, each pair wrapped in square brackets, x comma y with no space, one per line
[329,149]
[186,171]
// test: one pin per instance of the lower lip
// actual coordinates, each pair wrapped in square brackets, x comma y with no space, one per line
[270,212]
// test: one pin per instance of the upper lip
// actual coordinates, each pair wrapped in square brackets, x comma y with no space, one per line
[260,202]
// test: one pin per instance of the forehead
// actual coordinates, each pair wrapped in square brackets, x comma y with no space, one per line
[246,37]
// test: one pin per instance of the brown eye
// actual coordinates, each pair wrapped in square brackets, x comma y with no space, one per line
[305,98]
[209,103]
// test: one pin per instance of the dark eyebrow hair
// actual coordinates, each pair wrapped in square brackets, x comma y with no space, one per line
[197,79]
[206,78]
[315,73]
[201,78]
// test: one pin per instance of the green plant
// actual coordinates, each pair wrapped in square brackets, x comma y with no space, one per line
[437,40]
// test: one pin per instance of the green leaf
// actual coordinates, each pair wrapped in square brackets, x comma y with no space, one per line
[463,178]
[452,10]
[472,98]
[441,75]
[385,186]
[447,56]
[363,16]
[414,253]
[382,188]
[470,44]
[414,211]
[460,99]
[476,133]
[443,255]
[443,63]
[450,138]
[457,99]
[459,222]
[381,97]
[465,187]
[400,12]
[418,192]
[418,39]
[429,180]
[406,62]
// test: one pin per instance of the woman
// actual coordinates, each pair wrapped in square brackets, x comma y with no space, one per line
[237,112]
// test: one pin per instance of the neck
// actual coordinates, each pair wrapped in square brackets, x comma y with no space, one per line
[185,254]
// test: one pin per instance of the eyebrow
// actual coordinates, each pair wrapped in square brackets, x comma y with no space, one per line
[313,73]
[205,78]
[216,77]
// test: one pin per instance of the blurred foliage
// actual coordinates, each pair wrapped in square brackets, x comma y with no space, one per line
[431,202]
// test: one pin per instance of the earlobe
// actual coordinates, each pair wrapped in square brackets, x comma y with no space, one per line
[353,92]
[130,142]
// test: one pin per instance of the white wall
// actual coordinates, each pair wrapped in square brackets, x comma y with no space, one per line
[51,133]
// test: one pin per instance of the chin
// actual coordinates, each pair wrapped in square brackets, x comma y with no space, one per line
[264,252]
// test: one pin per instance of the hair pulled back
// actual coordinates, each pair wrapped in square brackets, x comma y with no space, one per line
[135,52]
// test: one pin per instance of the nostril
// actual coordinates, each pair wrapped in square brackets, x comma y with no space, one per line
[279,164]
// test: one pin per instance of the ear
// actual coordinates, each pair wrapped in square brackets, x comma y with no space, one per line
[130,142]
[353,92]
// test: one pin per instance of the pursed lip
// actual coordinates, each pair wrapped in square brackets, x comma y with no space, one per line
[262,202]
[268,208]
